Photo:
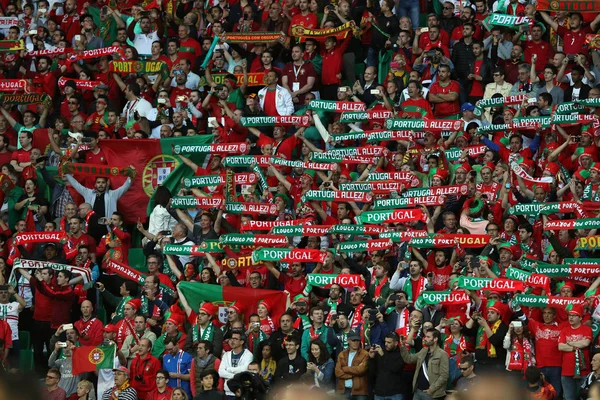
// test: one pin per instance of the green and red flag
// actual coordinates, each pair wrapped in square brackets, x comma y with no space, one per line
[396,176]
[530,279]
[582,6]
[302,164]
[452,190]
[352,229]
[93,358]
[368,115]
[198,202]
[406,202]
[381,187]
[223,296]
[566,270]
[336,196]
[432,241]
[336,106]
[348,281]
[437,125]
[207,246]
[129,273]
[568,224]
[495,284]
[405,236]
[241,178]
[254,225]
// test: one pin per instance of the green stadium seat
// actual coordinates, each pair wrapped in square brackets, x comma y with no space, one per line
[26,360]
[101,314]
[25,340]
[137,259]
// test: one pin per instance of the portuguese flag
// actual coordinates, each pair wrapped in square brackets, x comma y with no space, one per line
[155,166]
[223,296]
[93,358]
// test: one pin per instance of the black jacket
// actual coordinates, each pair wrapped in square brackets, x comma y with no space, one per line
[385,372]
[583,92]
[290,370]
[496,340]
[462,57]
[486,73]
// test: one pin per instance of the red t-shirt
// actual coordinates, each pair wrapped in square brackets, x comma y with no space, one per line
[546,343]
[308,21]
[447,108]
[476,88]
[5,157]
[574,42]
[568,334]
[179,92]
[293,286]
[441,276]
[190,49]
[270,107]
[544,52]
[300,75]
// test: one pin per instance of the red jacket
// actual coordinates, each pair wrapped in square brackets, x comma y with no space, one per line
[143,375]
[121,253]
[6,334]
[61,299]
[90,332]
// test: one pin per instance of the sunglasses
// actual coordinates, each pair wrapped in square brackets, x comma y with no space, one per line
[464,369]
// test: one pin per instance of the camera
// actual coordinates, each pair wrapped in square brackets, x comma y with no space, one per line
[166,233]
[330,7]
[139,378]
[218,88]
[394,297]
[86,140]
[430,53]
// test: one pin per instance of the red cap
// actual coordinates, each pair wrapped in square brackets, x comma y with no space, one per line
[208,308]
[110,328]
[576,309]
[175,319]
[135,303]
[489,165]
[497,307]
[122,369]
[267,305]
[237,307]
[553,168]
[466,167]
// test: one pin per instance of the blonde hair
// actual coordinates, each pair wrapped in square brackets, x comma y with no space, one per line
[179,389]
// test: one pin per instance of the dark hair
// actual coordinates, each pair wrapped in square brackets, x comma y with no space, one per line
[294,338]
[468,359]
[172,340]
[120,215]
[131,287]
[316,308]
[164,372]
[67,274]
[552,68]
[135,88]
[469,23]
[323,356]
[547,97]
[435,333]
[162,196]
[527,226]
[208,346]
[578,68]
[532,375]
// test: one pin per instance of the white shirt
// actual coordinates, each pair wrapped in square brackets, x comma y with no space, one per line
[193,80]
[143,108]
[10,313]
[143,42]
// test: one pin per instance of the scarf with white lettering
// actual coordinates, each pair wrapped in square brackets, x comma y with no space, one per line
[521,355]
[208,333]
[408,287]
[357,316]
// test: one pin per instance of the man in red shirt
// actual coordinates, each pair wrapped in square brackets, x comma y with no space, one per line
[574,41]
[304,18]
[543,49]
[89,327]
[188,48]
[78,237]
[116,243]
[21,158]
[69,23]
[430,41]
[331,74]
[5,155]
[444,94]
[298,77]
[143,370]
[574,341]
[295,283]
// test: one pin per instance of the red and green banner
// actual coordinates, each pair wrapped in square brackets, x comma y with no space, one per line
[473,151]
[248,239]
[435,125]
[24,98]
[352,229]
[229,148]
[593,41]
[406,236]
[138,67]
[565,271]
[406,202]
[289,255]
[284,120]
[535,209]
[344,154]
[508,21]
[403,177]
[588,243]
[582,6]
[369,246]
[431,242]
[11,45]
[126,272]
[452,190]
[93,358]
[377,136]
[347,281]
[445,297]
[204,203]
[254,225]
[251,208]
[568,224]
[223,296]
[241,178]
[389,216]
[336,196]
[530,300]
[246,161]
[207,246]
[302,164]
[377,187]
[254,37]
[495,284]
[530,279]
[254,79]
[499,101]
[369,115]
[106,51]
[336,106]
[302,230]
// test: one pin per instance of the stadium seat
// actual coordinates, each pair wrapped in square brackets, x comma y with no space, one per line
[137,259]
[26,360]
[25,340]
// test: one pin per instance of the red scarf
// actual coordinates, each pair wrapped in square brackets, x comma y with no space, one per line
[267,326]
[357,316]
[87,219]
[521,355]
[380,286]
[460,348]
[125,329]
[88,326]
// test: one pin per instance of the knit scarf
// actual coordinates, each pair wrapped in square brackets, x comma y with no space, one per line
[117,390]
[357,316]
[125,329]
[254,339]
[521,355]
[579,363]
[206,335]
[315,334]
[267,326]
[267,369]
[333,305]
[483,341]
[408,287]
[365,334]
[379,284]
[121,306]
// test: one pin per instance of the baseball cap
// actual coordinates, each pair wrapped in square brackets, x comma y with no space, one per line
[467,107]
